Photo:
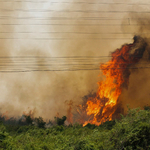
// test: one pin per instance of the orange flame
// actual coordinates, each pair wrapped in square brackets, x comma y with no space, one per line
[117,72]
[5,115]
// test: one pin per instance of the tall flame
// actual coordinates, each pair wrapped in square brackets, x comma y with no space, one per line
[116,73]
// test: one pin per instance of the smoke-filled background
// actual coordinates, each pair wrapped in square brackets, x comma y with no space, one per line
[41,40]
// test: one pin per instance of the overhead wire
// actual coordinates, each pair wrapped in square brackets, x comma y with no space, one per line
[70,18]
[81,11]
[72,63]
[69,32]
[56,63]
[49,70]
[68,2]
[63,39]
[58,24]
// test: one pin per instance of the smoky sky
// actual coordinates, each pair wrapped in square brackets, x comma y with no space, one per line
[75,28]
[137,94]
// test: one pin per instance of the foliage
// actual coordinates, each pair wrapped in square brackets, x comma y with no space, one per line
[40,122]
[61,121]
[29,120]
[108,124]
[147,107]
[130,132]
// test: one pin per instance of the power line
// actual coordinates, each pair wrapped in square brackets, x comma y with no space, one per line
[61,57]
[61,18]
[70,18]
[16,64]
[81,11]
[17,71]
[94,33]
[66,2]
[70,32]
[59,65]
[54,57]
[6,24]
[63,39]
[60,60]
[50,70]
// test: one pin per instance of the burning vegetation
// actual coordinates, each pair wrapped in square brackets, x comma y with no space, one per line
[104,105]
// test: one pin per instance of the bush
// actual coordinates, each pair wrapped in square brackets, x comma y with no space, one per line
[29,120]
[147,107]
[40,122]
[61,121]
[91,126]
[22,129]
[132,132]
[84,145]
[108,124]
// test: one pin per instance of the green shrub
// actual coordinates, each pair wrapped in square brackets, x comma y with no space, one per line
[147,107]
[59,128]
[22,129]
[91,126]
[29,120]
[108,124]
[61,121]
[84,145]
[40,122]
[45,147]
[130,132]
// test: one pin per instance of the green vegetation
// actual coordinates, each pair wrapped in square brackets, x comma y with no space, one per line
[131,132]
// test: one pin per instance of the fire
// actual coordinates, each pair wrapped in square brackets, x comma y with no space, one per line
[116,72]
[5,115]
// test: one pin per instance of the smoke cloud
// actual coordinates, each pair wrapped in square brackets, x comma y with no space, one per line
[47,91]
[137,94]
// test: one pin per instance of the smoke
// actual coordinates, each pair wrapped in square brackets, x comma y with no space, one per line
[137,94]
[47,91]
